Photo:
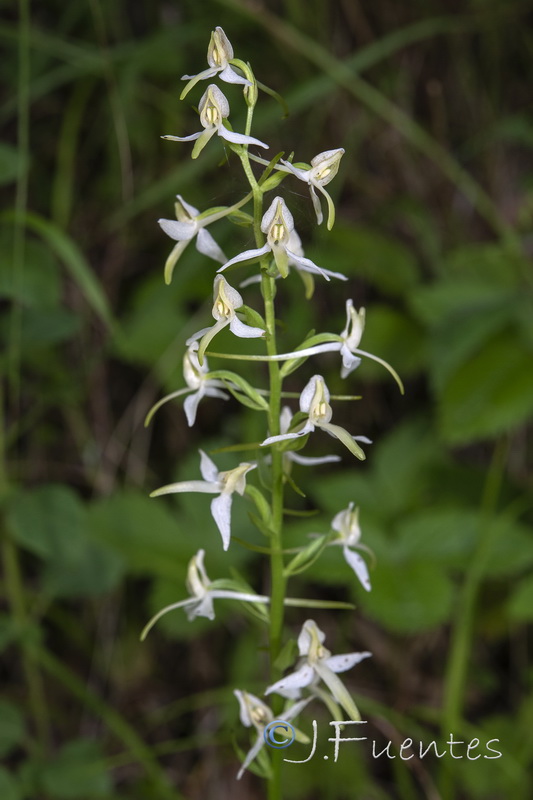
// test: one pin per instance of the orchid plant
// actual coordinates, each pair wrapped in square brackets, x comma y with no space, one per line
[286,433]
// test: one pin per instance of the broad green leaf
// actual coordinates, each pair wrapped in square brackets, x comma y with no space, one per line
[52,523]
[410,597]
[490,394]
[306,557]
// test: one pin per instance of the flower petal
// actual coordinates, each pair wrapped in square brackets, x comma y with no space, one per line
[206,245]
[193,80]
[309,266]
[190,406]
[346,661]
[239,138]
[208,468]
[230,76]
[187,486]
[251,754]
[172,260]
[308,428]
[246,256]
[316,205]
[190,138]
[343,436]
[338,690]
[311,461]
[296,680]
[244,331]
[180,231]
[221,513]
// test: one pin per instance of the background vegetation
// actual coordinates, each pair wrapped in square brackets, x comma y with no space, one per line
[432,102]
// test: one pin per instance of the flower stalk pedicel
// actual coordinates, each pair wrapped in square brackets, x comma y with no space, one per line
[277,248]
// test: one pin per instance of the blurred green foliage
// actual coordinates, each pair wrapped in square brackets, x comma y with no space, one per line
[434,223]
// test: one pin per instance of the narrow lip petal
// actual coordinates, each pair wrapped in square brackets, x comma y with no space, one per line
[246,256]
[296,680]
[251,754]
[239,138]
[316,204]
[311,461]
[359,566]
[172,260]
[179,231]
[221,512]
[343,436]
[309,266]
[308,428]
[190,405]
[337,689]
[206,245]
[149,625]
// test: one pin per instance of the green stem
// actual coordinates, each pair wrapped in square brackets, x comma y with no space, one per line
[456,671]
[278,581]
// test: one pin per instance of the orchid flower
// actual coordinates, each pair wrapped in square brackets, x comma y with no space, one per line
[226,301]
[323,169]
[346,524]
[314,401]
[188,224]
[317,664]
[202,593]
[214,109]
[219,54]
[198,381]
[225,484]
[278,225]
[254,713]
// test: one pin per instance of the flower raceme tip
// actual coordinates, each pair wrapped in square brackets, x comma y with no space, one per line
[214,109]
[219,55]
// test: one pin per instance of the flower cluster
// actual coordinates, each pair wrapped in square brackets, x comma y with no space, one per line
[279,253]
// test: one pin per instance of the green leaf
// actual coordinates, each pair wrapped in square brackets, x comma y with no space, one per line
[38,284]
[490,394]
[79,771]
[52,523]
[411,597]
[12,727]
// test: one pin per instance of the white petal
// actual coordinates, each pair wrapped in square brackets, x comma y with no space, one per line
[230,76]
[349,361]
[301,173]
[211,392]
[309,461]
[359,567]
[338,690]
[190,406]
[217,97]
[187,486]
[244,331]
[239,138]
[316,205]
[206,245]
[308,428]
[190,138]
[203,608]
[308,393]
[198,335]
[346,661]
[270,213]
[252,753]
[180,231]
[191,210]
[296,680]
[248,254]
[208,468]
[309,266]
[221,512]
[309,630]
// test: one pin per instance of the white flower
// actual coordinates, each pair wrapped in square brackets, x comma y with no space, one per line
[290,455]
[254,713]
[346,524]
[317,664]
[184,228]
[214,109]
[225,484]
[226,301]
[278,225]
[314,401]
[198,381]
[351,336]
[219,54]
[323,169]
[202,593]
